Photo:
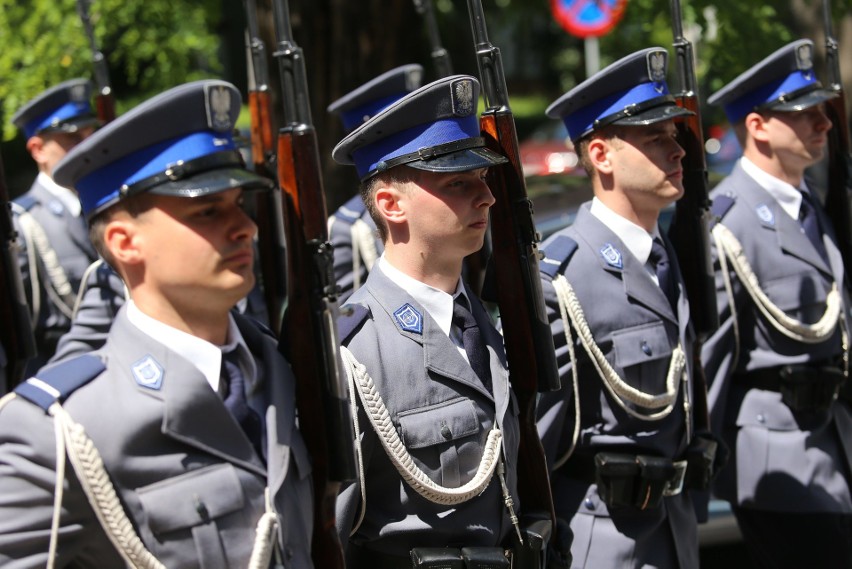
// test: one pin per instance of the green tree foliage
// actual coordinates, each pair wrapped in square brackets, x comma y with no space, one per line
[150,45]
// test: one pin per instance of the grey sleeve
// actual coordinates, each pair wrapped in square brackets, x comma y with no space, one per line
[102,297]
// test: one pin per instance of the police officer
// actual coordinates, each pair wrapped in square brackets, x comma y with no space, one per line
[438,440]
[180,433]
[617,432]
[55,249]
[780,356]
[351,230]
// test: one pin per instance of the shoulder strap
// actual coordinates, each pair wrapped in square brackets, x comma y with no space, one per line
[557,254]
[57,383]
[352,317]
[351,210]
[720,207]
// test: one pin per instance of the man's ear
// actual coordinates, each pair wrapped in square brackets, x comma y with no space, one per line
[35,146]
[388,199]
[755,125]
[122,239]
[598,152]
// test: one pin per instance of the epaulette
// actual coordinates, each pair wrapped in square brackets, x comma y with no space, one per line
[58,382]
[352,316]
[26,201]
[352,210]
[556,255]
[720,206]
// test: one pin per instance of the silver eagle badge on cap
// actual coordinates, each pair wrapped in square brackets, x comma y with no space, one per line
[462,97]
[657,69]
[78,93]
[219,108]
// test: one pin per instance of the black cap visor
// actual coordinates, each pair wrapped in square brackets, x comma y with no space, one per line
[654,115]
[461,161]
[213,182]
[800,102]
[71,125]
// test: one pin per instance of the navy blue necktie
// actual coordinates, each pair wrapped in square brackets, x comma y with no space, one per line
[474,346]
[810,223]
[236,402]
[659,257]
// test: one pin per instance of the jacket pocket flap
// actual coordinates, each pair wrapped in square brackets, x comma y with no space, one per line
[193,498]
[439,423]
[641,344]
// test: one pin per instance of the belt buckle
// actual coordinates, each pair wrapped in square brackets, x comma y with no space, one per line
[675,485]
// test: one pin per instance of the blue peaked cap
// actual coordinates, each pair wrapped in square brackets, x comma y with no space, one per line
[434,128]
[178,143]
[362,103]
[631,91]
[62,108]
[783,81]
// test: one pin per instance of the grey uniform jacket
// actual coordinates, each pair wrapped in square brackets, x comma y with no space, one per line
[443,414]
[102,294]
[635,327]
[782,461]
[186,474]
[68,237]
[341,237]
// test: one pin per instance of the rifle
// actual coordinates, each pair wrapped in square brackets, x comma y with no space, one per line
[273,264]
[837,202]
[690,237]
[515,256]
[689,231]
[16,334]
[104,101]
[310,317]
[440,55]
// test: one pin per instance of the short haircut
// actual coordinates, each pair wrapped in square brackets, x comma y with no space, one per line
[398,176]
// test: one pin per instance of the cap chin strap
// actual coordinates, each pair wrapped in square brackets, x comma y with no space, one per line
[634,109]
[428,153]
[184,169]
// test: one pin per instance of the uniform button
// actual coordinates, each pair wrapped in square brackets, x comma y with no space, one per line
[761,418]
[445,432]
[288,552]
[589,504]
[646,348]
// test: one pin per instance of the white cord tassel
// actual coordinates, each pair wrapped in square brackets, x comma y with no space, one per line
[412,474]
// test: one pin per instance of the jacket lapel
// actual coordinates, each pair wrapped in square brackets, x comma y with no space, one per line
[440,355]
[617,260]
[192,412]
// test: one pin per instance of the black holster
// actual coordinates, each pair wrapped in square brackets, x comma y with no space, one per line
[705,457]
[532,553]
[639,481]
[806,389]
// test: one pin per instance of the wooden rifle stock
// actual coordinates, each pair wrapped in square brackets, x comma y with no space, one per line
[104,102]
[309,337]
[271,247]
[837,202]
[528,340]
[16,335]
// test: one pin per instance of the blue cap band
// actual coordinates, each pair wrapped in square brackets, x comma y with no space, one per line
[355,117]
[768,93]
[583,120]
[101,187]
[426,135]
[70,110]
